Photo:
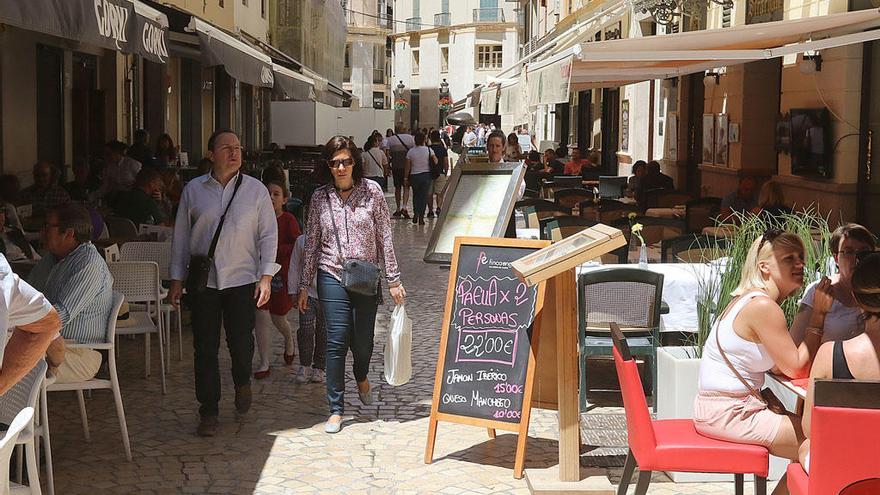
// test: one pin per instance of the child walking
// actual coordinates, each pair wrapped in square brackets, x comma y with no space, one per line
[274,313]
[312,334]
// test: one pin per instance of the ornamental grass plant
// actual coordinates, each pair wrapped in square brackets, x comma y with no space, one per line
[718,279]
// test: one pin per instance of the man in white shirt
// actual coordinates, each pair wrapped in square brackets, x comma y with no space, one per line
[470,138]
[241,272]
[28,324]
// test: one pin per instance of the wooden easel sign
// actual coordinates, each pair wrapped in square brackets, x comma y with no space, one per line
[488,342]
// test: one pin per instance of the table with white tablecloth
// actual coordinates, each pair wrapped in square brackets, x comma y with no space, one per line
[681,283]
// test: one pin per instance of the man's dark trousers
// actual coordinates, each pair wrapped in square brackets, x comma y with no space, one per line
[236,307]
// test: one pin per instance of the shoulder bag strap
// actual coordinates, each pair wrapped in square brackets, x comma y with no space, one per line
[401,141]
[374,159]
[223,217]
[333,221]
[742,380]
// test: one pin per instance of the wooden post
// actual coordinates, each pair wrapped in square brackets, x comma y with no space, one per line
[563,292]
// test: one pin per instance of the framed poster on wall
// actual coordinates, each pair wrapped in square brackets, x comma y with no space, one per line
[708,137]
[721,140]
[624,125]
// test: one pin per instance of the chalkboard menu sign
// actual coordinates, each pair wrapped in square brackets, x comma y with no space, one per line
[488,342]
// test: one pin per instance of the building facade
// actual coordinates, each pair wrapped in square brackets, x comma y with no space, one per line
[368,52]
[464,42]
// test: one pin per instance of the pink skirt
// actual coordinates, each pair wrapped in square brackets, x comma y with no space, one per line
[739,418]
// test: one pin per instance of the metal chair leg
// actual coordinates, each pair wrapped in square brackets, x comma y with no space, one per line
[83,416]
[738,483]
[644,481]
[760,485]
[628,467]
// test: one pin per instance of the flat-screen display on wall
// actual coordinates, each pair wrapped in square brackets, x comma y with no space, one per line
[811,147]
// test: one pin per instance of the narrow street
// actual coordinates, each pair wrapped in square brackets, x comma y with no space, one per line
[280,445]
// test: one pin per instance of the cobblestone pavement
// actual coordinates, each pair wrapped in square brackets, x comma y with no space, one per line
[280,446]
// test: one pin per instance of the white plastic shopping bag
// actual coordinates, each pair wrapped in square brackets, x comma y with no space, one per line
[398,348]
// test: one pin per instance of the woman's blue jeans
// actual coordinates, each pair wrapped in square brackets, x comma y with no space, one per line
[350,320]
[421,186]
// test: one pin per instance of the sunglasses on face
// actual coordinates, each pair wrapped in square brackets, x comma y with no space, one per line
[344,162]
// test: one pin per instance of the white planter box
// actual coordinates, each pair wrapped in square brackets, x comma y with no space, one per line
[677,374]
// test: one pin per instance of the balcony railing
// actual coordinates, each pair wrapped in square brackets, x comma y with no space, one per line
[488,15]
[442,19]
[413,24]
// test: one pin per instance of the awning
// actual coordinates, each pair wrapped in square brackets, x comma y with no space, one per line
[239,60]
[295,85]
[489,100]
[626,61]
[128,26]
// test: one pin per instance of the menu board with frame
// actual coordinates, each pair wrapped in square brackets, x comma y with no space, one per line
[478,202]
[568,253]
[488,342]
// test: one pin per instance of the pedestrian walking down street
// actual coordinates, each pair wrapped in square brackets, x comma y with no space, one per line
[273,316]
[418,175]
[232,210]
[312,333]
[348,219]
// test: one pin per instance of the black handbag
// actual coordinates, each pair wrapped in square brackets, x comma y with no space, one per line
[200,265]
[358,276]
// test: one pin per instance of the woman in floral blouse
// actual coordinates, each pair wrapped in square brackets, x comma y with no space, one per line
[362,221]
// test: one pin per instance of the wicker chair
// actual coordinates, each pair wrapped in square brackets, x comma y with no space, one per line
[656,229]
[667,199]
[693,248]
[631,298]
[561,227]
[611,210]
[121,228]
[532,214]
[611,186]
[27,393]
[571,197]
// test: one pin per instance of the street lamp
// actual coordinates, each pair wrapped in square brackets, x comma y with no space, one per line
[445,102]
[400,101]
[444,88]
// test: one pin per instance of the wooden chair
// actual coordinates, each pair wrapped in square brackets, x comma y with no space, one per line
[571,197]
[700,213]
[628,296]
[561,227]
[667,199]
[611,210]
[655,229]
[693,248]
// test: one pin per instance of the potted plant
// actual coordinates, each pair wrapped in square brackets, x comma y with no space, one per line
[636,229]
[678,367]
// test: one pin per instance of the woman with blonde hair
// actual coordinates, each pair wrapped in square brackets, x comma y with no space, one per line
[749,339]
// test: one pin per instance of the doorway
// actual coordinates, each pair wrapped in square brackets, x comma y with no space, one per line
[50,105]
[610,129]
[87,104]
[694,148]
[154,98]
[222,99]
[191,109]
[585,119]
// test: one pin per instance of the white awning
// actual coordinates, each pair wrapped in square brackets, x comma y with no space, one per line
[489,100]
[626,61]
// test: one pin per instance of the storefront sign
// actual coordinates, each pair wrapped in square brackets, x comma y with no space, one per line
[123,25]
[758,11]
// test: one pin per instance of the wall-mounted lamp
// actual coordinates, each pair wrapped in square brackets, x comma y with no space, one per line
[712,77]
[811,63]
[208,85]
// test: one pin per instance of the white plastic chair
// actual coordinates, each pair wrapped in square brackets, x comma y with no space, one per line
[108,344]
[160,252]
[26,394]
[8,442]
[139,282]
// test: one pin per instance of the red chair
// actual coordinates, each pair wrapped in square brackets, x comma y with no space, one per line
[674,444]
[844,435]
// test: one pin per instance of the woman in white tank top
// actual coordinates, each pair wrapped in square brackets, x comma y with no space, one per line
[749,339]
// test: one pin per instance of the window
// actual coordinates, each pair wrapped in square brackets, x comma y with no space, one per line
[415,62]
[489,57]
[378,64]
[444,59]
[221,4]
[244,2]
[346,70]
[416,8]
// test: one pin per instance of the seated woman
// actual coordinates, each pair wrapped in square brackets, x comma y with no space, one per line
[750,338]
[842,320]
[771,201]
[857,358]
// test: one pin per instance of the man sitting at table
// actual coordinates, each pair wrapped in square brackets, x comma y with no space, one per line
[45,192]
[141,205]
[80,289]
[119,171]
[577,163]
[741,200]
